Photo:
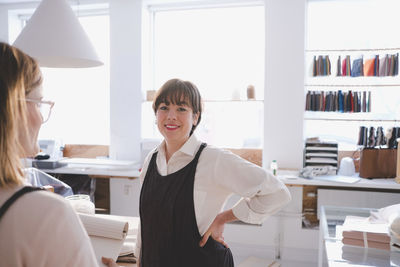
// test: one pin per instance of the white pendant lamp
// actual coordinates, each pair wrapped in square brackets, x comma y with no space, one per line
[55,38]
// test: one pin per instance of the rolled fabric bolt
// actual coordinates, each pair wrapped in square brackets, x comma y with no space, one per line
[388,134]
[361,136]
[392,143]
[371,137]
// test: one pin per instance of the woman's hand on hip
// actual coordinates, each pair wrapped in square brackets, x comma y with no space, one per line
[216,228]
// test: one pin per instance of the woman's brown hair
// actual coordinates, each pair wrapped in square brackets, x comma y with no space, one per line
[175,91]
[19,75]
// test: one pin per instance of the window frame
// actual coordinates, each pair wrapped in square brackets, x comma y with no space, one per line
[148,48]
[149,25]
[18,16]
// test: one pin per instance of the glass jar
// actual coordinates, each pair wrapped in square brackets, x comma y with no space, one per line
[81,203]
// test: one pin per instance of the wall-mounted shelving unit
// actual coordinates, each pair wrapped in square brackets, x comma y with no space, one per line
[383,101]
[330,82]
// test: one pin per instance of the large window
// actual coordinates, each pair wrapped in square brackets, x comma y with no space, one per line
[358,29]
[81,112]
[221,50]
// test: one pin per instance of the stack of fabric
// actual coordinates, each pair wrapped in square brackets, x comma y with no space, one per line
[395,233]
[360,231]
[126,255]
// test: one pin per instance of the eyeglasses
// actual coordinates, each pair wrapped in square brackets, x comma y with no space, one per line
[44,107]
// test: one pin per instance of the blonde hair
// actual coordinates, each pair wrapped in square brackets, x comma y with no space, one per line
[19,75]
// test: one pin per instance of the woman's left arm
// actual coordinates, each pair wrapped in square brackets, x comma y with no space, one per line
[263,194]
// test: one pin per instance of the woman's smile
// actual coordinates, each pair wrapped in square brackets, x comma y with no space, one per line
[171,127]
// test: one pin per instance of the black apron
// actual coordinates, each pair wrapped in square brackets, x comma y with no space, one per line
[170,236]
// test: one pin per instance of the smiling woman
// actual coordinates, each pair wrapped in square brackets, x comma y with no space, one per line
[185,184]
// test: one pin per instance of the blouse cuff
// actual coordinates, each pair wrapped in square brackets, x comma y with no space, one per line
[243,212]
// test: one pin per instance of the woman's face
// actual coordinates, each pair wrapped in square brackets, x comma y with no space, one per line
[34,120]
[175,122]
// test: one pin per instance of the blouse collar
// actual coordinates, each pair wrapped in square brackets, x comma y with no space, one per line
[190,147]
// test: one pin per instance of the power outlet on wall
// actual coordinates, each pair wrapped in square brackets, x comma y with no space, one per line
[127,189]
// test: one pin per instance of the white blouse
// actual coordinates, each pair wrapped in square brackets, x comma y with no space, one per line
[41,229]
[219,174]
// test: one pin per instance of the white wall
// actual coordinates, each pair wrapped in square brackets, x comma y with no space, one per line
[125,79]
[125,99]
[284,82]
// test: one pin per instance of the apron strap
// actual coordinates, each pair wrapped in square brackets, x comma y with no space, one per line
[197,156]
[15,196]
